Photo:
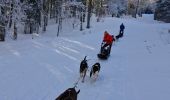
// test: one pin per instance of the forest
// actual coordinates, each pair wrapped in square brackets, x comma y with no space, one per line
[29,16]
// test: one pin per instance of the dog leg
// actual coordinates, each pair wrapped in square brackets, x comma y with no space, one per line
[90,73]
[84,74]
[95,76]
[81,74]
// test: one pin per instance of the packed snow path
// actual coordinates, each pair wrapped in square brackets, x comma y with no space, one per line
[43,67]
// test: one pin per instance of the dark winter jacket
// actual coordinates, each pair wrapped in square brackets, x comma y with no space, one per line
[122,27]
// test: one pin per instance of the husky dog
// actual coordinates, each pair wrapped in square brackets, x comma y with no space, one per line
[95,71]
[83,68]
[69,94]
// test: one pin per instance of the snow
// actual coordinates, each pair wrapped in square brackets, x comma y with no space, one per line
[43,67]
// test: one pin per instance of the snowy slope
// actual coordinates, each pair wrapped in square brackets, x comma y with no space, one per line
[43,67]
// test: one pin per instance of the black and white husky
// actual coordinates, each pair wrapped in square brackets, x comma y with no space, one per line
[83,68]
[95,71]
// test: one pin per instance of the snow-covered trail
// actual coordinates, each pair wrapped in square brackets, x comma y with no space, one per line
[43,67]
[145,61]
[30,69]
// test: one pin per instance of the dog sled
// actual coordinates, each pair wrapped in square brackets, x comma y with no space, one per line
[106,45]
[104,52]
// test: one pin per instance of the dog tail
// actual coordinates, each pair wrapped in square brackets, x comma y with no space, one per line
[85,58]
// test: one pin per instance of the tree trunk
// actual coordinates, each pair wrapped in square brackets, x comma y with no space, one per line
[81,20]
[57,10]
[89,13]
[60,2]
[136,10]
[11,11]
[45,21]
[15,31]
[51,8]
[30,26]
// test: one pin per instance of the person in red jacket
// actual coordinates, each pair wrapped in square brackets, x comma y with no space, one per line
[107,40]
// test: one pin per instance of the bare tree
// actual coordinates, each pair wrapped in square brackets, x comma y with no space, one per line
[136,10]
[89,13]
[11,11]
[81,19]
[60,2]
[45,13]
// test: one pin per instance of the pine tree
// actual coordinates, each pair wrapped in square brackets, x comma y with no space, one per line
[162,11]
[32,10]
